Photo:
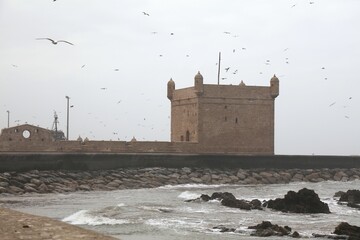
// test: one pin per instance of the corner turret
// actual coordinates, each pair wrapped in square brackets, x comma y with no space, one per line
[199,87]
[170,89]
[274,87]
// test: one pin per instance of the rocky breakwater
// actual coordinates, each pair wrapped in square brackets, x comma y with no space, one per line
[69,181]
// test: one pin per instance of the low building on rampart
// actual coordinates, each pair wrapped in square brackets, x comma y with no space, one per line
[205,118]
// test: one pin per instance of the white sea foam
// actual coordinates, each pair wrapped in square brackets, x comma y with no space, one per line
[156,209]
[202,209]
[176,223]
[188,195]
[85,217]
[194,186]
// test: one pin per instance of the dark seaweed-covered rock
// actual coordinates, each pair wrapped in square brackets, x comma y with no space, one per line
[222,196]
[295,234]
[328,236]
[202,198]
[224,229]
[216,195]
[256,204]
[304,201]
[338,194]
[351,196]
[229,200]
[349,230]
[205,197]
[236,203]
[267,229]
[353,205]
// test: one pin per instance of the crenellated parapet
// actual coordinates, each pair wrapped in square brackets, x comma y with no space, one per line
[170,89]
[198,83]
[274,87]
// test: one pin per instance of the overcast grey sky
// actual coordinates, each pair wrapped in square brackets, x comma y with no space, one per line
[312,46]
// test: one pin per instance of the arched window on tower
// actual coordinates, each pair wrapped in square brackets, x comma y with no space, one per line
[187,136]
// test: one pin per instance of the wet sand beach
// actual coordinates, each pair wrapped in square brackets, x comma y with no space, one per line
[17,225]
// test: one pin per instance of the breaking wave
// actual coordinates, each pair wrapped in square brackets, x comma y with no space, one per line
[85,217]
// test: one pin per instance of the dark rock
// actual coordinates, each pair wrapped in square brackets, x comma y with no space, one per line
[202,198]
[295,234]
[256,204]
[353,205]
[16,183]
[35,181]
[29,189]
[339,193]
[349,230]
[14,190]
[84,188]
[3,179]
[304,201]
[21,178]
[205,197]
[224,229]
[4,184]
[228,199]
[351,196]
[329,236]
[267,229]
[222,196]
[43,188]
[3,190]
[236,203]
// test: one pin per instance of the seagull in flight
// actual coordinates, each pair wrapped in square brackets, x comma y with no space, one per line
[146,14]
[332,104]
[227,69]
[55,42]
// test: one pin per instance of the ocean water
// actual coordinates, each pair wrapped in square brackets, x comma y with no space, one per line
[162,213]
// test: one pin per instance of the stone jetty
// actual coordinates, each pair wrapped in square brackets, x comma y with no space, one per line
[61,181]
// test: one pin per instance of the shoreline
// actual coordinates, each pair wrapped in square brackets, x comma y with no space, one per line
[18,225]
[62,181]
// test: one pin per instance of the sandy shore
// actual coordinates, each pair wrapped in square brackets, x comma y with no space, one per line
[17,225]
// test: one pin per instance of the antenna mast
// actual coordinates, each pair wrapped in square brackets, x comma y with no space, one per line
[219,68]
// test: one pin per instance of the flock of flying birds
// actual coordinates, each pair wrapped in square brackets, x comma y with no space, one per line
[227,69]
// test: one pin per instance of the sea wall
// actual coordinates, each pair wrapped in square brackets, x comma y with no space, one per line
[55,181]
[102,161]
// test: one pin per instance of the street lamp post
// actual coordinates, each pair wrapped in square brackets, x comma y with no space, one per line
[8,112]
[67,118]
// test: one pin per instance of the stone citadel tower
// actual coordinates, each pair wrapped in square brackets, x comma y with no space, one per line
[224,118]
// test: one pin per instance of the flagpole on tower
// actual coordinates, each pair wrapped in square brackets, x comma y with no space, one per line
[219,68]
